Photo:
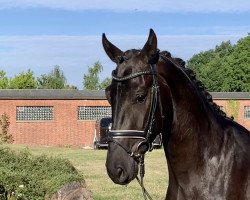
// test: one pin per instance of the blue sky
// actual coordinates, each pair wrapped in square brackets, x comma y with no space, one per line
[39,34]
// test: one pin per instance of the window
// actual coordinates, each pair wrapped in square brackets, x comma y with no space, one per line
[247,112]
[93,112]
[34,113]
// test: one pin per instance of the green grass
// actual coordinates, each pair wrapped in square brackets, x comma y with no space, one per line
[91,163]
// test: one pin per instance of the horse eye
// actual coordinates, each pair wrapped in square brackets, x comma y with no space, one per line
[140,98]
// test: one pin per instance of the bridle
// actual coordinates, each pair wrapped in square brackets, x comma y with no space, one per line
[146,135]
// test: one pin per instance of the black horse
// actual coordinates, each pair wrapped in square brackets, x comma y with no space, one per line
[208,154]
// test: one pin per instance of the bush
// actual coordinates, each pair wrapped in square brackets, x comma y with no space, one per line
[5,137]
[24,176]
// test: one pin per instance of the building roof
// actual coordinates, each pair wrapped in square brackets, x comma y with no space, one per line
[41,94]
[230,95]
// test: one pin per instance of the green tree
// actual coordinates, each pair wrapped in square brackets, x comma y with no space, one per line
[91,80]
[105,83]
[4,81]
[54,80]
[23,81]
[70,87]
[225,68]
[237,72]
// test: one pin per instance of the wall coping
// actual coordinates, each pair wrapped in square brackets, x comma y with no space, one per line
[42,94]
[230,95]
[48,94]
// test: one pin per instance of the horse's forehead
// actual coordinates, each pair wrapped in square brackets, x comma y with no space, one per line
[132,61]
[135,62]
[133,55]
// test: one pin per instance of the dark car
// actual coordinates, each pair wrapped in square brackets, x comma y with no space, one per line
[157,143]
[101,134]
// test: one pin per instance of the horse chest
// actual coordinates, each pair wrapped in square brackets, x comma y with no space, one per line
[216,177]
[208,182]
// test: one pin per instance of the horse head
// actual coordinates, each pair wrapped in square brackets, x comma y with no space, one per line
[136,107]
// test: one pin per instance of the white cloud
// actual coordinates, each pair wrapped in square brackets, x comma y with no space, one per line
[75,53]
[132,5]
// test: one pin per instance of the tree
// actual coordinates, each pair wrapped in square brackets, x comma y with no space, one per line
[225,68]
[237,75]
[70,87]
[91,81]
[4,81]
[105,83]
[54,80]
[23,81]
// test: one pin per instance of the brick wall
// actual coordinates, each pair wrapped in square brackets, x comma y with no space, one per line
[230,105]
[64,130]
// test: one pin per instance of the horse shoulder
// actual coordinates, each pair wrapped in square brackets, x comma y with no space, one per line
[239,185]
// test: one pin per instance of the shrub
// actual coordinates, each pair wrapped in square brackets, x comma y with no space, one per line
[5,137]
[24,176]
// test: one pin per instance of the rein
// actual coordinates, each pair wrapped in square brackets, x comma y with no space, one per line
[145,135]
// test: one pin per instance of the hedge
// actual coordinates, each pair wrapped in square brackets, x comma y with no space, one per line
[24,176]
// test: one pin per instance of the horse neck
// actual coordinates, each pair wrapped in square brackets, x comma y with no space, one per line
[191,130]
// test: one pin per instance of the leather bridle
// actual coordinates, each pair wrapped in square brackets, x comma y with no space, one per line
[144,136]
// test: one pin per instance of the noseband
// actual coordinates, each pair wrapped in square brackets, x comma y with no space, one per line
[143,136]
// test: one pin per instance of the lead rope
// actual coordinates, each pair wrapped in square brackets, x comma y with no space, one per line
[142,172]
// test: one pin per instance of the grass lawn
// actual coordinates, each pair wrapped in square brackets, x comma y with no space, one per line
[91,163]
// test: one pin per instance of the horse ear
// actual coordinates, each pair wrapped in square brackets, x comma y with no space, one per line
[150,48]
[111,50]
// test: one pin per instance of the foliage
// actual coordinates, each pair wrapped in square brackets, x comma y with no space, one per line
[225,68]
[70,87]
[4,81]
[23,81]
[5,137]
[54,80]
[237,74]
[234,108]
[24,176]
[105,83]
[91,80]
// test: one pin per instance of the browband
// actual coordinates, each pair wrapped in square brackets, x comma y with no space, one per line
[131,76]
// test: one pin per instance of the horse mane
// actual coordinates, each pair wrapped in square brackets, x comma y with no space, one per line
[191,74]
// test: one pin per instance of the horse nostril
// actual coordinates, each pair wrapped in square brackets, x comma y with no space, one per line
[119,171]
[122,176]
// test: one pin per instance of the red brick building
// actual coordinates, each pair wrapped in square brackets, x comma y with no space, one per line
[68,117]
[236,104]
[53,117]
